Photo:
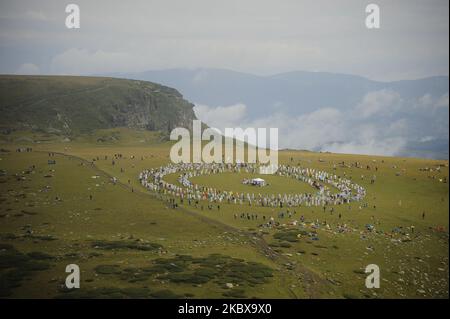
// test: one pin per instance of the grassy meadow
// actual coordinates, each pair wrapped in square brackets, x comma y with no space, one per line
[130,243]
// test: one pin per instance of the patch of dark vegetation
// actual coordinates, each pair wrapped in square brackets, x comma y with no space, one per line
[72,255]
[116,293]
[290,236]
[142,274]
[40,237]
[359,271]
[223,271]
[26,212]
[349,296]
[235,293]
[37,255]
[334,282]
[8,236]
[118,245]
[303,233]
[285,245]
[107,269]
[160,266]
[133,275]
[218,268]
[280,245]
[16,267]
[187,278]
[164,294]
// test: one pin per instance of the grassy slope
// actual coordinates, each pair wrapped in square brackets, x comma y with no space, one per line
[69,105]
[416,268]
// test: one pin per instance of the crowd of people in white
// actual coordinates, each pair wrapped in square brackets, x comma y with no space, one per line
[345,190]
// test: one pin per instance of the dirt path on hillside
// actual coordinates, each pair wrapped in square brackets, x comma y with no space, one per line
[32,101]
[311,281]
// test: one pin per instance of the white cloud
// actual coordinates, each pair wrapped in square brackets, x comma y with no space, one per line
[28,69]
[397,127]
[222,116]
[81,61]
[389,147]
[381,124]
[425,101]
[430,105]
[310,131]
[427,139]
[379,103]
[443,101]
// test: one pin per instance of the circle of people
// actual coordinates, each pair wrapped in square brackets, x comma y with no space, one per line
[347,191]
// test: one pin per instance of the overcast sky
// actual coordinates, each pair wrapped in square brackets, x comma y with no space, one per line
[255,36]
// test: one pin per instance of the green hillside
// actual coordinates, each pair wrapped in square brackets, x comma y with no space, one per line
[69,105]
[127,239]
[80,201]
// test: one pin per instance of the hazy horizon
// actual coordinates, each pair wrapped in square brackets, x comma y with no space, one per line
[372,91]
[199,68]
[257,37]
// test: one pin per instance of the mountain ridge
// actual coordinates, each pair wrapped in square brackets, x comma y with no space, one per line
[298,91]
[77,104]
[312,109]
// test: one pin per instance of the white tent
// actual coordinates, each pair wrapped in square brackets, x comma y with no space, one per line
[258,182]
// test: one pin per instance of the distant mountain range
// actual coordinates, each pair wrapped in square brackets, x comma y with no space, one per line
[295,92]
[312,110]
[413,113]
